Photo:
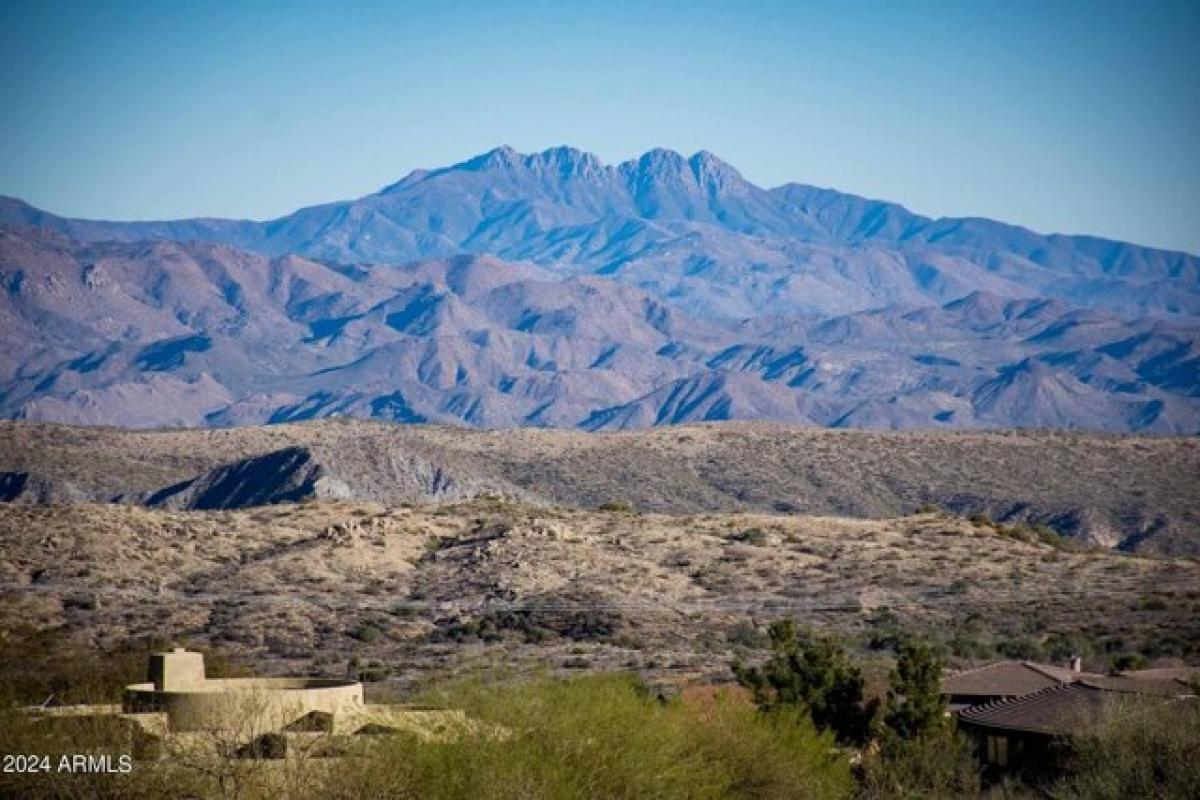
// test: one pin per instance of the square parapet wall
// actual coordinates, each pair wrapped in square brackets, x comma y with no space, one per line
[177,671]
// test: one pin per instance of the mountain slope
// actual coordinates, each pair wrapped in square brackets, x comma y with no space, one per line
[694,231]
[185,334]
[553,290]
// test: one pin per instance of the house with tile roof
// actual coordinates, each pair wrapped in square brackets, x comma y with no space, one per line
[1029,732]
[1004,680]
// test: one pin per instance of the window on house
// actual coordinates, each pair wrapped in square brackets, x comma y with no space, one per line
[997,750]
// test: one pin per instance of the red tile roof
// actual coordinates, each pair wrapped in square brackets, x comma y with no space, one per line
[1067,708]
[1007,679]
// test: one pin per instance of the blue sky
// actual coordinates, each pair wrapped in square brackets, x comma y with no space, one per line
[1062,116]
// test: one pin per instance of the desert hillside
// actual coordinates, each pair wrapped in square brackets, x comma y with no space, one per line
[1130,492]
[417,592]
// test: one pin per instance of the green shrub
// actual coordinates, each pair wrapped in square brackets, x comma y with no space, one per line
[958,586]
[935,766]
[600,736]
[778,755]
[1128,661]
[1152,604]
[407,610]
[1022,647]
[1060,647]
[745,634]
[885,630]
[972,638]
[1138,751]
[366,632]
[813,673]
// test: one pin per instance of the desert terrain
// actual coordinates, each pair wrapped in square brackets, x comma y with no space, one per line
[1135,493]
[403,594]
[412,553]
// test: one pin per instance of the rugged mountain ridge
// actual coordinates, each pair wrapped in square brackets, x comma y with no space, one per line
[550,289]
[154,334]
[693,231]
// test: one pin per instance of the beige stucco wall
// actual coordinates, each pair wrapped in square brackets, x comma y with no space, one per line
[180,703]
[241,708]
[178,670]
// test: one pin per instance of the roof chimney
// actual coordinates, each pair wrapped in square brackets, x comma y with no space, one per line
[1076,664]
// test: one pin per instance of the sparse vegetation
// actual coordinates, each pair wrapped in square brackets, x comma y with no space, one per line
[49,666]
[615,507]
[1080,483]
[756,537]
[746,634]
[509,575]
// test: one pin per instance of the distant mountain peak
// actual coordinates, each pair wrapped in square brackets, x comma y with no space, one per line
[566,161]
[713,173]
[565,154]
[502,156]
[710,163]
[693,231]
[661,161]
[658,162]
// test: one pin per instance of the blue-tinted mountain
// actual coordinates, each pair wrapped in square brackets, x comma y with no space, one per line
[692,231]
[166,333]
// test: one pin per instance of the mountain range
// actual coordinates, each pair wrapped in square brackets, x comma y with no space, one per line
[553,290]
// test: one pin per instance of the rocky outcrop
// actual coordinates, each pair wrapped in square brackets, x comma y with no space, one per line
[293,474]
[284,476]
[25,488]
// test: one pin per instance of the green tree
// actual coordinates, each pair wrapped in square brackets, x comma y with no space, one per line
[920,754]
[814,673]
[915,705]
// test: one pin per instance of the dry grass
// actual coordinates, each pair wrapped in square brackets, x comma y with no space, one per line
[408,593]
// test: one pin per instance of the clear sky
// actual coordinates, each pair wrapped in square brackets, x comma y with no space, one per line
[1079,117]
